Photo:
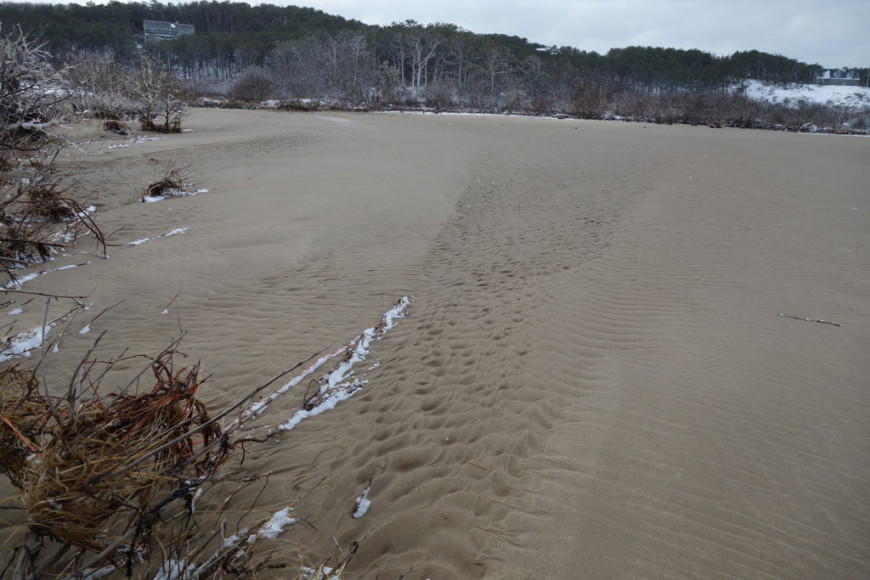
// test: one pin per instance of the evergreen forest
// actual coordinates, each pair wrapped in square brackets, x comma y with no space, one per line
[254,53]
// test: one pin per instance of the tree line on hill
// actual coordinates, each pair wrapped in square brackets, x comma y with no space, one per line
[267,51]
[247,35]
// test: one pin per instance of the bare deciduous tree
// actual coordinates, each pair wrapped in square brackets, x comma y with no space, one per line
[160,108]
[101,86]
[30,94]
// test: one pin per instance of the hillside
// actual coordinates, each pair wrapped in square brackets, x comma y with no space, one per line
[853,98]
[246,35]
[256,53]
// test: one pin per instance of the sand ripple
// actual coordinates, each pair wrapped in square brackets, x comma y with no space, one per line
[593,380]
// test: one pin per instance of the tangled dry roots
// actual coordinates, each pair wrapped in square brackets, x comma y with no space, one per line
[91,471]
[16,412]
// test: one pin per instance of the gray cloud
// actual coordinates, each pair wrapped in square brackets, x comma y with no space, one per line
[831,33]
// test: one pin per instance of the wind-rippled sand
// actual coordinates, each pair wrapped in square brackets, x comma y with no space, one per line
[593,379]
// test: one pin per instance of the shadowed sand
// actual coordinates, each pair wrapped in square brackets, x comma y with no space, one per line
[593,380]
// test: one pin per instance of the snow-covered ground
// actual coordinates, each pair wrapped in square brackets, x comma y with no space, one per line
[790,95]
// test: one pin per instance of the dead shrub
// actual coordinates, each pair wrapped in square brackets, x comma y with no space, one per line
[102,88]
[114,126]
[172,182]
[92,469]
[49,204]
[158,92]
[108,480]
[38,216]
[172,125]
[253,86]
[33,191]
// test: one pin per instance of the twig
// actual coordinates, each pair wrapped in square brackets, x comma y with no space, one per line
[89,223]
[411,569]
[118,303]
[51,408]
[18,433]
[52,560]
[69,316]
[133,381]
[216,418]
[115,232]
[40,365]
[810,319]
[73,391]
[108,550]
[171,302]
[19,572]
[16,261]
[476,465]
[26,241]
[19,291]
[108,367]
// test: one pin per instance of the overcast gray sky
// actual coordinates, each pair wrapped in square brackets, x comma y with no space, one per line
[833,33]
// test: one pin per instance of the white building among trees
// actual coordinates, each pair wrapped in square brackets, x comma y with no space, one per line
[838,76]
[162,30]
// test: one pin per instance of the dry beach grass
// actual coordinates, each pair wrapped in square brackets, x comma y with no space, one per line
[593,378]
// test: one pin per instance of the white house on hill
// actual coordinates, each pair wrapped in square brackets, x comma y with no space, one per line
[838,76]
[162,30]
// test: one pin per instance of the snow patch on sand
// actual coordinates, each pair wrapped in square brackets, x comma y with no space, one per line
[23,343]
[173,193]
[175,232]
[334,388]
[276,524]
[136,141]
[21,280]
[174,570]
[363,503]
[338,385]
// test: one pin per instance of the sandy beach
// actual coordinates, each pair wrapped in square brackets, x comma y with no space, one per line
[594,378]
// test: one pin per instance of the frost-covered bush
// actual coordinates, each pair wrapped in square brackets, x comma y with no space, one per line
[32,190]
[158,97]
[31,91]
[101,87]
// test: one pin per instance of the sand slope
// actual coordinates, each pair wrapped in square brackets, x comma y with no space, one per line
[593,379]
